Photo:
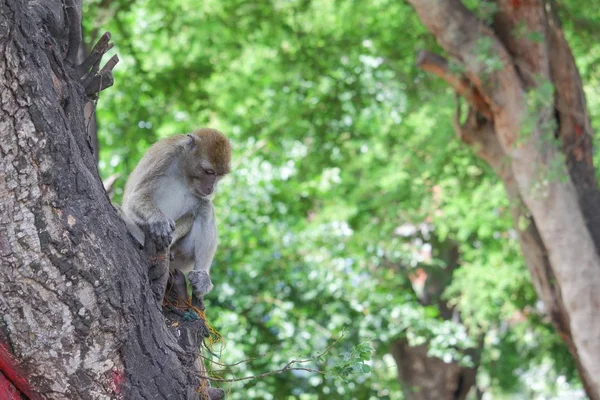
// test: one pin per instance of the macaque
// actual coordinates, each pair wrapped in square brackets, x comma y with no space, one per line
[168,197]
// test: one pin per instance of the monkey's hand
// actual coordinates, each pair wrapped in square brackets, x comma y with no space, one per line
[161,232]
[201,283]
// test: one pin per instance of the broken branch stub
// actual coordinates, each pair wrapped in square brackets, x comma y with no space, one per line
[92,78]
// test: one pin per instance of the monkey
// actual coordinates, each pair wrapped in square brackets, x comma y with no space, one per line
[168,197]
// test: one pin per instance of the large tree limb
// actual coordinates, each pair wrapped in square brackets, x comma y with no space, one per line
[438,65]
[522,31]
[464,37]
[73,11]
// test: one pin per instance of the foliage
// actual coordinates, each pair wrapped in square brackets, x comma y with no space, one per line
[341,146]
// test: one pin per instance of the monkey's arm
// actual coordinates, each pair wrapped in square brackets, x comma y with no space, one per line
[205,247]
[141,209]
[147,178]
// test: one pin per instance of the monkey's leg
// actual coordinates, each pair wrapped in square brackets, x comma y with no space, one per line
[201,283]
[198,301]
[204,236]
[176,295]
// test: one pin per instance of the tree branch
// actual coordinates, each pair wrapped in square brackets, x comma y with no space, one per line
[288,367]
[93,60]
[438,66]
[469,40]
[92,78]
[491,67]
[102,80]
[75,35]
[247,360]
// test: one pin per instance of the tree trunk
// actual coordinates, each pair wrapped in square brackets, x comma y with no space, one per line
[513,126]
[77,311]
[423,377]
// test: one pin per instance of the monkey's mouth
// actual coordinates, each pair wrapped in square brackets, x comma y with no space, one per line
[202,193]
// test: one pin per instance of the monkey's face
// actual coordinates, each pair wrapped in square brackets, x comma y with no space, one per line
[204,182]
[207,160]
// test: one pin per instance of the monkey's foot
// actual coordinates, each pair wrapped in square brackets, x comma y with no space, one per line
[198,302]
[201,283]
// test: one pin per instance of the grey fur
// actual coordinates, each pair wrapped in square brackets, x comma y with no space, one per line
[158,201]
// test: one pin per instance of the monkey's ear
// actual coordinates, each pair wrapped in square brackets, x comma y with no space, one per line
[190,142]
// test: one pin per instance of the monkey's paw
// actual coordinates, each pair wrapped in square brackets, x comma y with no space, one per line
[161,232]
[201,282]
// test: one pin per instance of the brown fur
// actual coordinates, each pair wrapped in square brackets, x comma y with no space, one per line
[216,147]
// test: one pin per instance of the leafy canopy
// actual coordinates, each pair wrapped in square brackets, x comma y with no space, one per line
[344,151]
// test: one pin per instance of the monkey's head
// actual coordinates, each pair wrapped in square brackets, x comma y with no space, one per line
[207,160]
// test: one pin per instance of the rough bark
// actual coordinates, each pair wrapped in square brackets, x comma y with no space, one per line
[560,245]
[76,307]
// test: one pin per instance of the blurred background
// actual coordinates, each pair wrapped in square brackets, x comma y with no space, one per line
[354,218]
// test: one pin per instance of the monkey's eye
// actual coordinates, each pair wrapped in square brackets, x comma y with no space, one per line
[209,172]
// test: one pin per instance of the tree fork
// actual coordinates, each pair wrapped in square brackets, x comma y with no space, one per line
[481,137]
[569,295]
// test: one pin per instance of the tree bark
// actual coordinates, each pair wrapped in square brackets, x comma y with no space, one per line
[76,307]
[560,244]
